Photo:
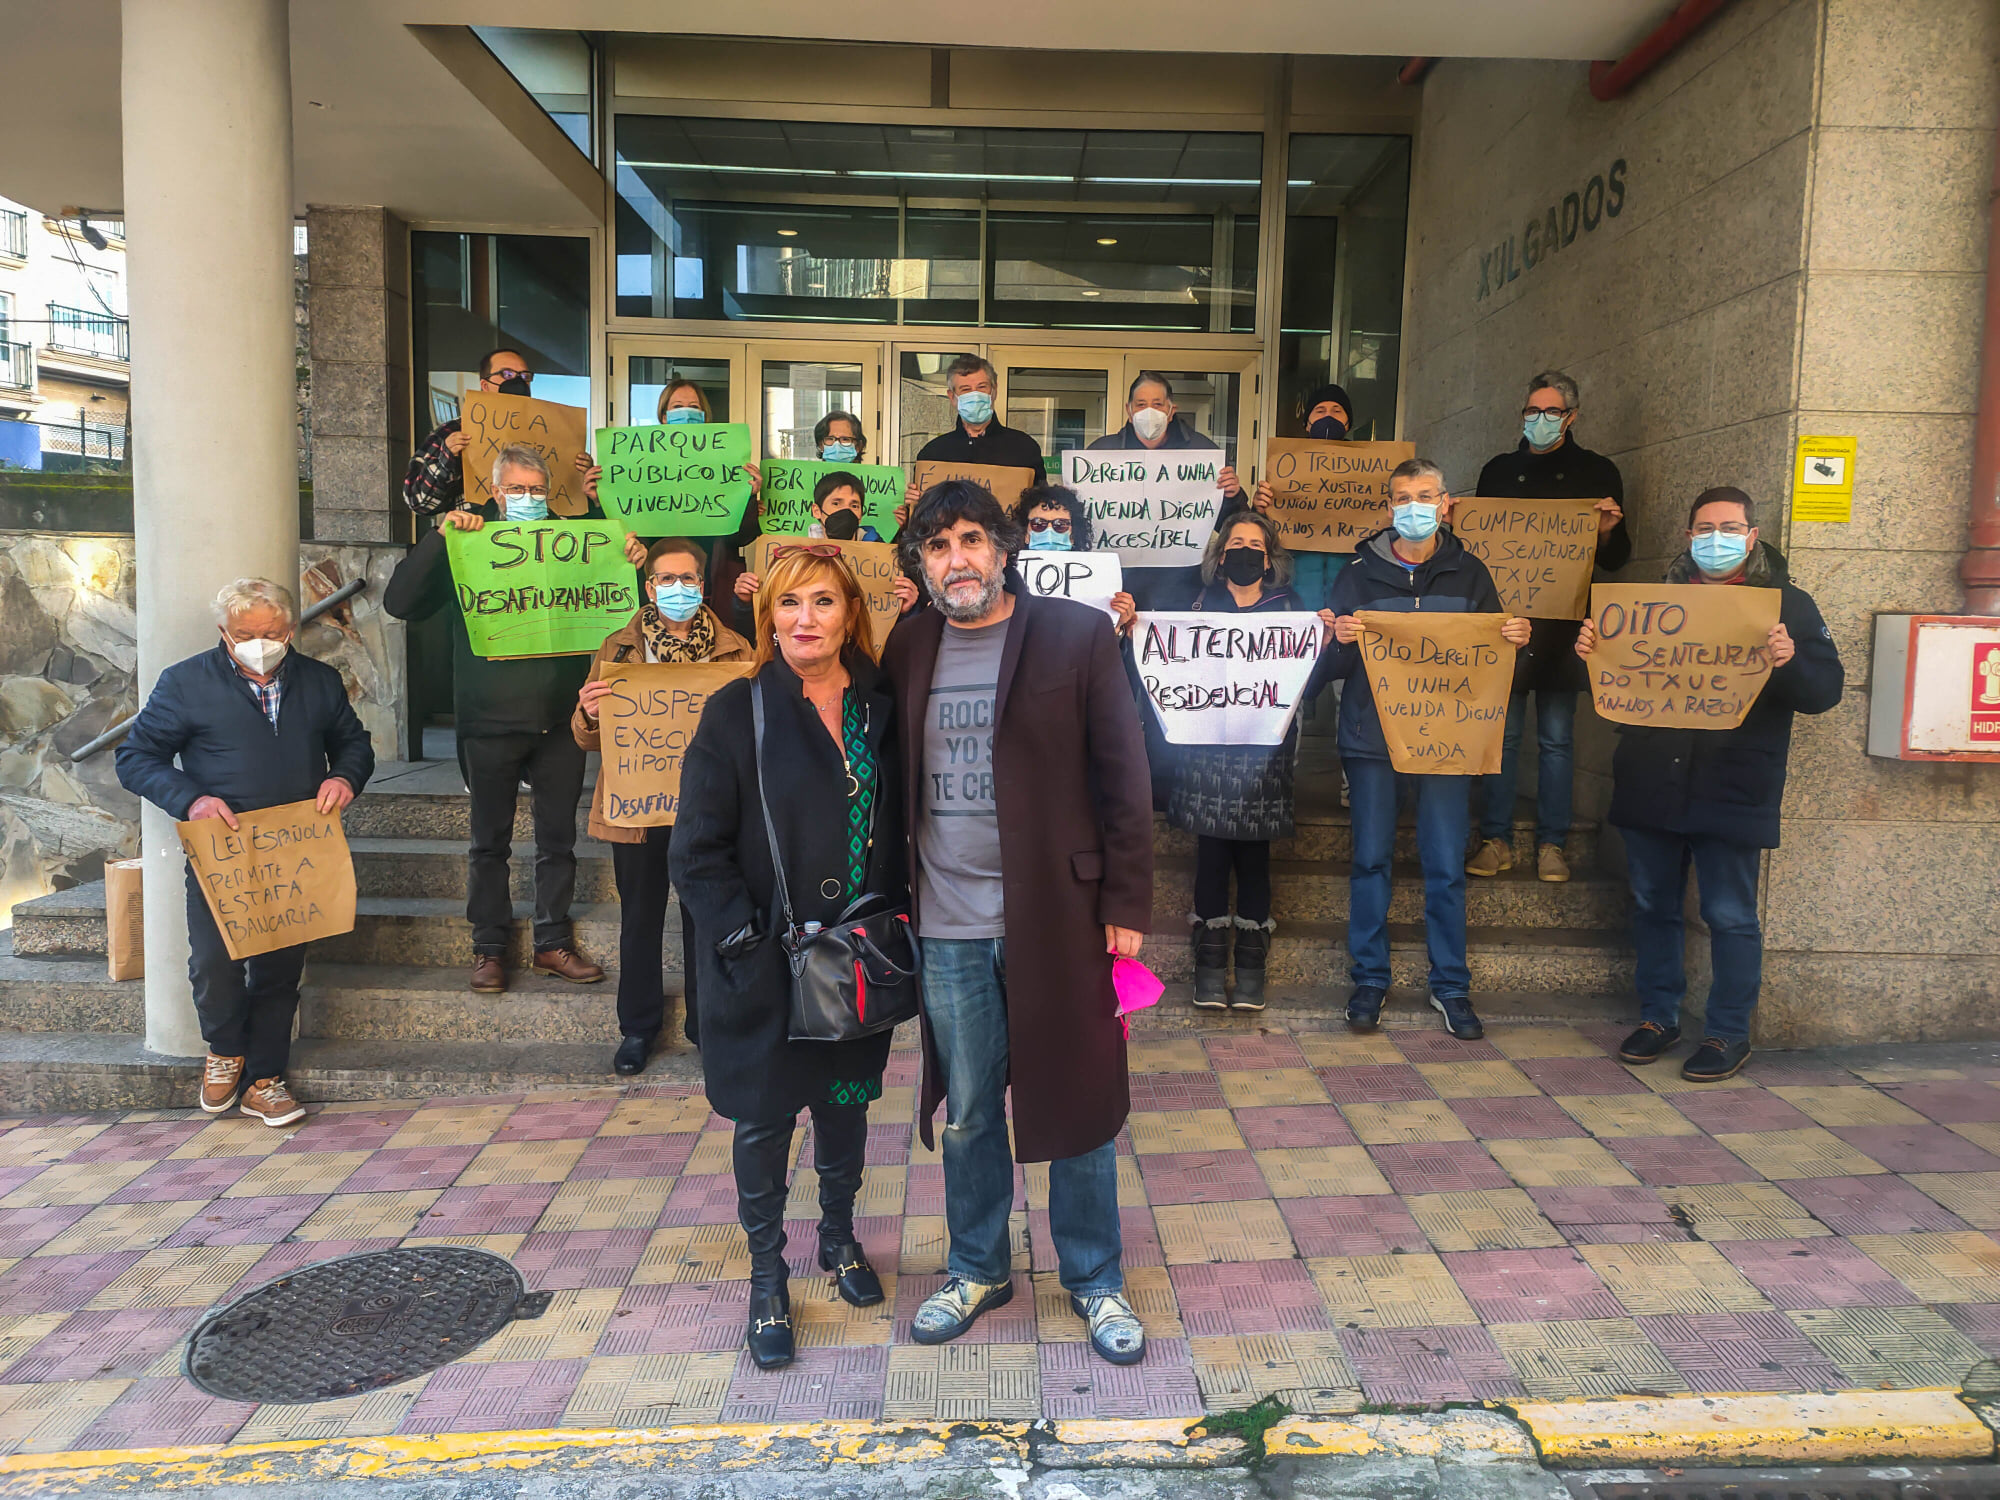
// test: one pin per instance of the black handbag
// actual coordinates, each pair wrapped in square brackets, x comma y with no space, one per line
[857,977]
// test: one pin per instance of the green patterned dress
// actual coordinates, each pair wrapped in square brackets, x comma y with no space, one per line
[860,819]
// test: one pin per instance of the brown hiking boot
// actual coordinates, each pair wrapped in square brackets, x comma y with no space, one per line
[1494,855]
[1550,864]
[488,977]
[220,1078]
[567,963]
[270,1101]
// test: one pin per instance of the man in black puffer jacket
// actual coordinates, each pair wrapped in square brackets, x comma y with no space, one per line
[255,725]
[1710,798]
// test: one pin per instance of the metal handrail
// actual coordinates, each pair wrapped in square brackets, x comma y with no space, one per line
[310,613]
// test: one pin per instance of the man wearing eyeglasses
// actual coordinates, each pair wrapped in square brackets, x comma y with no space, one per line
[512,717]
[434,482]
[1710,798]
[1549,464]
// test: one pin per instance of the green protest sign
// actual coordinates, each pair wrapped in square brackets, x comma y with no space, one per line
[676,479]
[541,588]
[788,490]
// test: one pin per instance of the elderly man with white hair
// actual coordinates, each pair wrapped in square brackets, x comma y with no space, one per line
[255,724]
[511,716]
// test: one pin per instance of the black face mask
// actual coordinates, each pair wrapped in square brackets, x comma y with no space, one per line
[1328,430]
[1243,565]
[516,386]
[843,525]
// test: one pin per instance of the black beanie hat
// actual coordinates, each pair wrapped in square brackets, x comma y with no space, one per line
[1331,392]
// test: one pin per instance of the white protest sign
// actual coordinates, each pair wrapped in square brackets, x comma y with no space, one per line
[1154,508]
[1087,577]
[1226,679]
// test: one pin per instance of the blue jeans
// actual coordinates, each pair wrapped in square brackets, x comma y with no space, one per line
[1444,813]
[1555,740]
[1658,866]
[965,998]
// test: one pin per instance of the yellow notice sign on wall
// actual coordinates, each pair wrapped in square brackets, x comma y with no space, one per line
[1823,479]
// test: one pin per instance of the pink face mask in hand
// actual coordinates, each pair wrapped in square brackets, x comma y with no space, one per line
[1136,987]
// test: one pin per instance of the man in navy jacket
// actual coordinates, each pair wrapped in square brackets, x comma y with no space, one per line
[1416,564]
[254,725]
[1710,798]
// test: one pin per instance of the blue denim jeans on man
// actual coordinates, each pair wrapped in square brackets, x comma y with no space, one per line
[965,999]
[1555,769]
[1657,864]
[1444,810]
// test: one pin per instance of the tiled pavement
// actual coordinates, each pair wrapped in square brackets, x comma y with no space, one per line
[1396,1219]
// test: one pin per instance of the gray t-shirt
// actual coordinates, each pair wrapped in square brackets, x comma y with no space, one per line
[958,829]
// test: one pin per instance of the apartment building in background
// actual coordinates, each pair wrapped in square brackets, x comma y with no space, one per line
[65,376]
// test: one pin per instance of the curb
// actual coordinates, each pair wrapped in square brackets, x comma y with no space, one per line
[1627,1431]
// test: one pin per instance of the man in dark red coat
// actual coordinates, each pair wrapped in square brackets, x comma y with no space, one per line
[1029,810]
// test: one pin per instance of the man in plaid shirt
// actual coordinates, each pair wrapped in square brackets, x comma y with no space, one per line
[435,481]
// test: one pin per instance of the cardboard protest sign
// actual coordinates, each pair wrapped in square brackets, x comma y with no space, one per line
[1325,496]
[491,422]
[1005,483]
[676,478]
[281,877]
[541,588]
[874,565]
[1540,552]
[1440,683]
[1226,679]
[1087,577]
[1680,655]
[1154,508]
[788,490]
[645,724]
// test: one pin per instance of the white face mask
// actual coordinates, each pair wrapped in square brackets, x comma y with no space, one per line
[259,655]
[1150,423]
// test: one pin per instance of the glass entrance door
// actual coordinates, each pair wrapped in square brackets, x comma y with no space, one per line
[780,388]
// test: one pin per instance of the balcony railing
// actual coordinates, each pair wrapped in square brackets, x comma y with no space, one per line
[17,366]
[84,439]
[77,331]
[13,233]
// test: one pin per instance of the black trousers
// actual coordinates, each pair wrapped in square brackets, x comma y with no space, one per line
[245,1006]
[1251,860]
[759,1153]
[494,766]
[641,872]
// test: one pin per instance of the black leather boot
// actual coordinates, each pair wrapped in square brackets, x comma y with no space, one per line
[1253,946]
[759,1154]
[840,1149]
[1210,940]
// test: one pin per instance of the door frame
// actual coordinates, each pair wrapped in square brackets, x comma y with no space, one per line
[745,358]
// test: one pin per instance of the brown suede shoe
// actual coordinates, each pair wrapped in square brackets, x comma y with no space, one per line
[488,977]
[270,1101]
[220,1079]
[567,963]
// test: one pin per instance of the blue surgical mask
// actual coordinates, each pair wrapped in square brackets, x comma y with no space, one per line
[1048,541]
[1719,554]
[976,407]
[677,601]
[840,453]
[1543,429]
[527,510]
[680,414]
[1415,521]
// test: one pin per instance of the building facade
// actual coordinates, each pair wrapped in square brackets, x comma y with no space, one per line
[65,356]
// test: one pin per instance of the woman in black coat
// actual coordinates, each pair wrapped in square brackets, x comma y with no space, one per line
[832,782]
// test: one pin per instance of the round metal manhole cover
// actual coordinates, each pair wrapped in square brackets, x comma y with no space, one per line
[356,1324]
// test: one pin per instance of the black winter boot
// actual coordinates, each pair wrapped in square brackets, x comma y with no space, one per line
[1253,946]
[759,1154]
[1210,940]
[840,1145]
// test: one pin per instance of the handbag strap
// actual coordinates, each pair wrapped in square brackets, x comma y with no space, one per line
[764,802]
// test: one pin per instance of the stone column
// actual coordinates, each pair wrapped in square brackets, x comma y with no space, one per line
[358,271]
[207,99]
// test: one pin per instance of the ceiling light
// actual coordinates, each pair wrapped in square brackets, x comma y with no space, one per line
[1091,292]
[1107,239]
[789,233]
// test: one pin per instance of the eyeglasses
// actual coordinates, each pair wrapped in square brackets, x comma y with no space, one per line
[1544,411]
[518,492]
[1043,523]
[1727,528]
[500,375]
[824,550]
[663,579]
[1422,497]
